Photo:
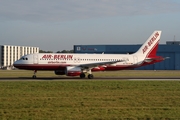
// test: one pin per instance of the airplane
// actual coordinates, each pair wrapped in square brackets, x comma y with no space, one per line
[72,64]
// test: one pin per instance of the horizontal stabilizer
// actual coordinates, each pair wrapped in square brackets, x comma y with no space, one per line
[159,58]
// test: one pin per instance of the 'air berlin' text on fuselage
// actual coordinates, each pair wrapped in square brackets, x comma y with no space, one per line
[150,42]
[57,57]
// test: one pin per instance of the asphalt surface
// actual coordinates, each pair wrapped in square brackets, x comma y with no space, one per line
[96,78]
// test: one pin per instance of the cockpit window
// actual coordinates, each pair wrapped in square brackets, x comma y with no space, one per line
[23,58]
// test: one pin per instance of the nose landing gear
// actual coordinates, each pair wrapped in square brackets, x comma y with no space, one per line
[34,76]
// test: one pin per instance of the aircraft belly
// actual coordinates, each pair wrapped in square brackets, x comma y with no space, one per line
[120,67]
[41,66]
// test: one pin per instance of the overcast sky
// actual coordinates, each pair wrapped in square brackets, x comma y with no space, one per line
[57,25]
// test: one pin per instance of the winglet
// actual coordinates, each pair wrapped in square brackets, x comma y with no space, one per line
[149,48]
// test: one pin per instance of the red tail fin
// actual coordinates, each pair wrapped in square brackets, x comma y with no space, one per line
[149,48]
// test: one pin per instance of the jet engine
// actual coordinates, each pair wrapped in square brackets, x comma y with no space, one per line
[98,68]
[73,71]
[69,71]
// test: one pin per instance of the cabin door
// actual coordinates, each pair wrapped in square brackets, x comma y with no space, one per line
[35,59]
[135,59]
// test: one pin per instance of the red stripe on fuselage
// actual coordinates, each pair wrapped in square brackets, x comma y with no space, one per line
[62,67]
[41,67]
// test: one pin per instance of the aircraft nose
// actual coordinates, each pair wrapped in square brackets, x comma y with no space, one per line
[16,63]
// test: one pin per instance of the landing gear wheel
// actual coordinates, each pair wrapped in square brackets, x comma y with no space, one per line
[90,76]
[34,76]
[82,75]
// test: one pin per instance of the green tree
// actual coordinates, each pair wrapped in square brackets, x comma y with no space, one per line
[65,51]
[42,51]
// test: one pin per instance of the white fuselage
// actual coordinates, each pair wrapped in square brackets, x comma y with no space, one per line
[53,61]
[78,64]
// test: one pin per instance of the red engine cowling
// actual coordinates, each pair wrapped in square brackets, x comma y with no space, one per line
[98,69]
[73,71]
[60,72]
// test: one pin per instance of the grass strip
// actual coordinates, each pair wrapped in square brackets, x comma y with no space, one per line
[90,99]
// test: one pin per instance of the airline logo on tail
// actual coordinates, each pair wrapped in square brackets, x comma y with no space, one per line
[150,42]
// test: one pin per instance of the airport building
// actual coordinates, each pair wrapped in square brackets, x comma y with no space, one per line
[9,54]
[171,49]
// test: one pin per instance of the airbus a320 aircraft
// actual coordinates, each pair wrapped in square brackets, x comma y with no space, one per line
[79,64]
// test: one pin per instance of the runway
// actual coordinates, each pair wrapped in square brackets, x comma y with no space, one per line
[96,78]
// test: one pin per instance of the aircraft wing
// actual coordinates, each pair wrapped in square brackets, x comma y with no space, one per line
[91,65]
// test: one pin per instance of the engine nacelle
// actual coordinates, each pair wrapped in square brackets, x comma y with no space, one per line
[69,71]
[73,71]
[60,72]
[98,69]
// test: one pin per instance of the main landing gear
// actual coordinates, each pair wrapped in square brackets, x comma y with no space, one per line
[90,75]
[34,76]
[82,75]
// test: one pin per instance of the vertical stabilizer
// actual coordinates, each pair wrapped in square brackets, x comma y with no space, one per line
[149,48]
